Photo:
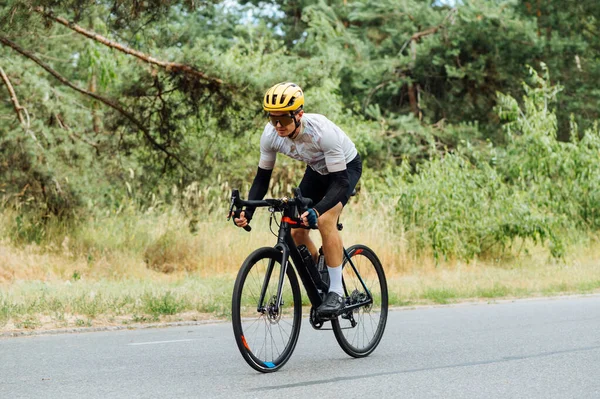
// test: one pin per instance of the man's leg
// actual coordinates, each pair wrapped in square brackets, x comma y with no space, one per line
[332,240]
[332,248]
[330,235]
[301,237]
[313,186]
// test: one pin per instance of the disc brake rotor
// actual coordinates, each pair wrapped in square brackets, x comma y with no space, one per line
[273,313]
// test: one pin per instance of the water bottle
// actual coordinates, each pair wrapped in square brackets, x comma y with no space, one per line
[316,277]
[306,257]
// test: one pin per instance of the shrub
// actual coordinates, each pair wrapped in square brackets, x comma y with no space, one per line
[172,251]
[457,209]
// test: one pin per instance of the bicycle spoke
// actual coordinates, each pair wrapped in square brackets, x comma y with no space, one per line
[364,279]
[273,342]
[267,338]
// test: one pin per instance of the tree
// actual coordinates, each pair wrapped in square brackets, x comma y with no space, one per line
[144,104]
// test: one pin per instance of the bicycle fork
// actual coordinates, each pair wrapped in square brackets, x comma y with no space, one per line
[268,274]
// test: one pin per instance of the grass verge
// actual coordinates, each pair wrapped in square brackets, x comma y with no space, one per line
[135,268]
[30,305]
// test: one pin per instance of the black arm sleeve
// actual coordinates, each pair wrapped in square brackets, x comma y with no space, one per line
[338,188]
[259,189]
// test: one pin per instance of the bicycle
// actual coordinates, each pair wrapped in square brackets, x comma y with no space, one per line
[267,303]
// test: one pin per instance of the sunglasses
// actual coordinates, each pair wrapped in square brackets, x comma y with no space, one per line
[284,120]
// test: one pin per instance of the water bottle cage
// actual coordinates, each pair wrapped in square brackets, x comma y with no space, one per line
[322,269]
[316,275]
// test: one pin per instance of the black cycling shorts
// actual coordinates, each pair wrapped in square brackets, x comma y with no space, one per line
[314,185]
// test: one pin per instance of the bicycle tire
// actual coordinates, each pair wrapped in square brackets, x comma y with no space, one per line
[265,339]
[362,339]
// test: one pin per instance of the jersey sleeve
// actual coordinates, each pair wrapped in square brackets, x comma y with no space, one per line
[268,154]
[332,146]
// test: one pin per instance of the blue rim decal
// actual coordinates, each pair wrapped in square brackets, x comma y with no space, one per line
[269,365]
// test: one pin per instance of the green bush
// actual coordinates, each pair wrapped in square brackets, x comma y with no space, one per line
[470,203]
[458,209]
[563,177]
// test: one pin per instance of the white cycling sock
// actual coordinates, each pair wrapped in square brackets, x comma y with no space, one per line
[335,280]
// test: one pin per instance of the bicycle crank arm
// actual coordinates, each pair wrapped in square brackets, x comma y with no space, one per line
[355,306]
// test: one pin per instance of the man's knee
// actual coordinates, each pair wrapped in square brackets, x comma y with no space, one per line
[331,216]
[329,219]
[299,234]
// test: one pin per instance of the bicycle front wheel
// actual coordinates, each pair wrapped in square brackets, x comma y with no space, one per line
[266,334]
[359,331]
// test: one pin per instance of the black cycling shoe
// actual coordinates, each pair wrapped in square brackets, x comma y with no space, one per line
[332,304]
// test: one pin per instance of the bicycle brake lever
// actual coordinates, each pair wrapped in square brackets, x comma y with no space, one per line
[304,203]
[235,195]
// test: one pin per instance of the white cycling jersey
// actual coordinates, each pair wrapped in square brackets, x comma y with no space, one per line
[321,144]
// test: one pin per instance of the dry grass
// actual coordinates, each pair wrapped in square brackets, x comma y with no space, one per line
[131,267]
[453,283]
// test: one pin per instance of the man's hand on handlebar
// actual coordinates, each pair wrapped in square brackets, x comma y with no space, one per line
[310,218]
[239,219]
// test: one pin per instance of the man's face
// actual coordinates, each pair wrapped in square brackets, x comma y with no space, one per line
[284,123]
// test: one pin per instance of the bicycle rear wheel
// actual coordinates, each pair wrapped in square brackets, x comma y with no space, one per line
[266,336]
[359,331]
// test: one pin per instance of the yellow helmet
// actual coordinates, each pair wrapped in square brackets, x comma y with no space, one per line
[285,96]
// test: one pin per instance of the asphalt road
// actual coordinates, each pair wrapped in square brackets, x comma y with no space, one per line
[523,349]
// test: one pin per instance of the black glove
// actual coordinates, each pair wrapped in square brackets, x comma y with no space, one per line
[312,218]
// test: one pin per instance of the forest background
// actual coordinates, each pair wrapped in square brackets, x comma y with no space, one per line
[124,125]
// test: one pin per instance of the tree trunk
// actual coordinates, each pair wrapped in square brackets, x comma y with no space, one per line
[97,124]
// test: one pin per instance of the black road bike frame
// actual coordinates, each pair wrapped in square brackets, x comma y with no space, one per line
[291,207]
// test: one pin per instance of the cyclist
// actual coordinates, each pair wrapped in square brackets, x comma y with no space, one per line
[332,172]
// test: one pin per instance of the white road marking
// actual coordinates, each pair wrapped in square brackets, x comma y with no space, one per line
[162,342]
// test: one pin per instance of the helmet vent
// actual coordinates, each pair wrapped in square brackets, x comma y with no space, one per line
[283,97]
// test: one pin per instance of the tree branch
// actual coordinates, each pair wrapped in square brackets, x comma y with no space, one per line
[74,135]
[13,97]
[416,36]
[169,66]
[367,100]
[18,108]
[106,101]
